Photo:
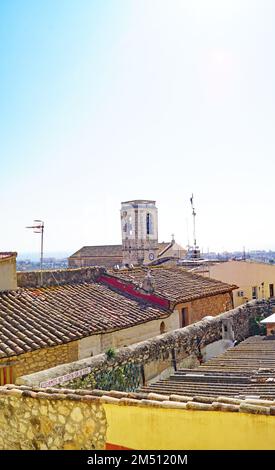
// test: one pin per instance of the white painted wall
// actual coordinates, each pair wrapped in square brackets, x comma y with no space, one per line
[97,344]
[216,348]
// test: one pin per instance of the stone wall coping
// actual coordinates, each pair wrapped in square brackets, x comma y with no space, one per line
[142,352]
[225,404]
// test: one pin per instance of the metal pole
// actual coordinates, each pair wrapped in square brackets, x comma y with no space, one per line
[39,228]
[194,222]
[41,255]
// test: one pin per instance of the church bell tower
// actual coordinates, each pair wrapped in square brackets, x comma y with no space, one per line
[139,227]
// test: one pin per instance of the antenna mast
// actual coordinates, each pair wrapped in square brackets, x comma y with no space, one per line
[38,227]
[194,220]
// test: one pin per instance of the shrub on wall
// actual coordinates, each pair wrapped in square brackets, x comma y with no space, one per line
[255,327]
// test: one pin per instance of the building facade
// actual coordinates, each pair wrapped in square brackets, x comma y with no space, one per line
[79,313]
[139,228]
[254,280]
[190,295]
[140,246]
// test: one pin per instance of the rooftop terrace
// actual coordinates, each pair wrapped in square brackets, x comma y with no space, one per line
[247,370]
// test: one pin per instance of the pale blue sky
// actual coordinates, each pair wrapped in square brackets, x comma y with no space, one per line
[103,101]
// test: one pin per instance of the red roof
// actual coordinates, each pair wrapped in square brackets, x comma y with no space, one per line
[175,284]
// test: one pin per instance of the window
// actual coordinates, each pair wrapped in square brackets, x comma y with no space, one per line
[271,290]
[149,224]
[6,375]
[162,328]
[240,293]
[254,292]
[184,319]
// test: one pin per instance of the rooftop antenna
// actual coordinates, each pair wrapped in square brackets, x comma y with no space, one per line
[38,227]
[194,220]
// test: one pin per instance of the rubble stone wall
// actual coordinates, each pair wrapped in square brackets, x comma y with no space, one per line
[58,276]
[42,421]
[41,359]
[164,349]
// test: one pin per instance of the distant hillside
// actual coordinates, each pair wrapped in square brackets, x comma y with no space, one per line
[47,254]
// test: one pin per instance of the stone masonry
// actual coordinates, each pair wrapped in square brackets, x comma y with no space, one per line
[58,277]
[211,305]
[159,352]
[35,420]
[40,359]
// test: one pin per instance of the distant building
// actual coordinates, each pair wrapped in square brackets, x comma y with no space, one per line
[139,227]
[269,322]
[98,255]
[255,280]
[140,246]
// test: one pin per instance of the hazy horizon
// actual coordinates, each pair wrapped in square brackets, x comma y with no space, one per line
[102,102]
[35,256]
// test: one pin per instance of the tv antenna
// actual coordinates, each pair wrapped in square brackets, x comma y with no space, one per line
[194,220]
[38,227]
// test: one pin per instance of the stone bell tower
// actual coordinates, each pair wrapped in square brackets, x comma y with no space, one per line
[139,227]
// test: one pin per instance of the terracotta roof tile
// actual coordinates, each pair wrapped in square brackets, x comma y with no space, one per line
[39,318]
[101,251]
[176,284]
[223,404]
[7,254]
[98,251]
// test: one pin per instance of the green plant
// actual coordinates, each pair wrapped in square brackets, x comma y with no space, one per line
[255,327]
[110,353]
[87,382]
[124,378]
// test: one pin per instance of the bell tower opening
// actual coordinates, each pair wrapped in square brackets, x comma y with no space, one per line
[139,227]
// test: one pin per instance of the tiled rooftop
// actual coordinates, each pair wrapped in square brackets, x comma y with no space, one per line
[176,284]
[31,319]
[99,251]
[247,370]
[7,254]
[108,250]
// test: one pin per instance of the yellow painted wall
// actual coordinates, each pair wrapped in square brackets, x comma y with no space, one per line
[8,280]
[245,275]
[145,428]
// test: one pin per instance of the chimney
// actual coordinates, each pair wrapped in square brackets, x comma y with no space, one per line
[8,279]
[227,329]
[148,283]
